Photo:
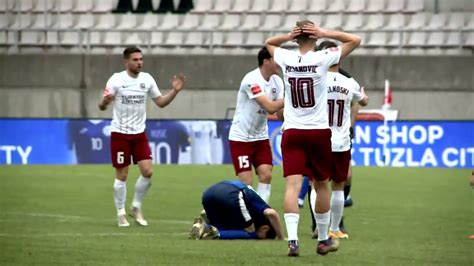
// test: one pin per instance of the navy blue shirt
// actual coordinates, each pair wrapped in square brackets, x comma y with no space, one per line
[167,139]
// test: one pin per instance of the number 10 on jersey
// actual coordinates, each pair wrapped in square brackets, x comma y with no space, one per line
[302,92]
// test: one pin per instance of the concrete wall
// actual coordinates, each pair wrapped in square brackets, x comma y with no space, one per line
[70,85]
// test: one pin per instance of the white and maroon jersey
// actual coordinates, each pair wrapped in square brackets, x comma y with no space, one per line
[341,92]
[250,119]
[305,86]
[129,113]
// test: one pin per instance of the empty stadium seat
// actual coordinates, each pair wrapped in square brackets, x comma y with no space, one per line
[222,6]
[453,39]
[112,38]
[436,38]
[414,6]
[63,6]
[250,21]
[104,6]
[457,20]
[210,21]
[194,39]
[333,21]
[316,6]
[156,38]
[417,39]
[43,21]
[336,6]
[356,6]
[255,38]
[69,38]
[395,22]
[231,21]
[279,6]
[7,5]
[23,5]
[147,21]
[437,21]
[202,6]
[234,38]
[174,38]
[468,39]
[4,20]
[271,22]
[241,6]
[22,21]
[30,37]
[353,22]
[377,39]
[106,21]
[190,21]
[260,6]
[374,21]
[85,21]
[375,6]
[393,6]
[64,21]
[84,6]
[290,21]
[417,21]
[169,21]
[298,6]
[126,21]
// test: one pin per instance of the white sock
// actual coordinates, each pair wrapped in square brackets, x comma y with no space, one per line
[337,208]
[263,190]
[322,220]
[120,194]
[141,188]
[291,221]
[312,197]
[300,202]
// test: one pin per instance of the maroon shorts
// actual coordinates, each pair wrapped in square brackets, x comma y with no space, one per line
[125,146]
[307,152]
[246,154]
[340,165]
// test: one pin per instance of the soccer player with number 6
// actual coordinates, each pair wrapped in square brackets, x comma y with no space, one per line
[128,91]
[306,142]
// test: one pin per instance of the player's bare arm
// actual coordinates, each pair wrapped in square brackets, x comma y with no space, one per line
[274,219]
[365,99]
[106,100]
[349,41]
[269,106]
[177,84]
[274,42]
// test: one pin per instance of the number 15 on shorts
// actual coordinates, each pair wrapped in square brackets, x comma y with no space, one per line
[243,161]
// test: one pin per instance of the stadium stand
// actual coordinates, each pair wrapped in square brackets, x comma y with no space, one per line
[396,26]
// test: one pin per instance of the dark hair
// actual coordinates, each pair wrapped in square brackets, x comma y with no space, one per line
[130,50]
[271,233]
[262,55]
[325,45]
[345,73]
[303,37]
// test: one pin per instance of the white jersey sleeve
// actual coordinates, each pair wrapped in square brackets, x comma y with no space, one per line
[279,55]
[355,89]
[331,56]
[252,90]
[111,87]
[154,91]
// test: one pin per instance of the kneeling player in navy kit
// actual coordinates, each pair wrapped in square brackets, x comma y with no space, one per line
[233,210]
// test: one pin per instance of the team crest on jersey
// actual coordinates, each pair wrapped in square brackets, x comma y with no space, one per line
[142,85]
[274,90]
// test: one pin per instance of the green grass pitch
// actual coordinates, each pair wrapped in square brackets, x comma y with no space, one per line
[64,215]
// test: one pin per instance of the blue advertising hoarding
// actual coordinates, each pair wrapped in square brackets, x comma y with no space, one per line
[78,141]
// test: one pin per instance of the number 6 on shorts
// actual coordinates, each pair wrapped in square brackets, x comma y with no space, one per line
[120,157]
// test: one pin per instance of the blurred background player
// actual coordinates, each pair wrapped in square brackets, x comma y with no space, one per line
[233,210]
[90,140]
[202,134]
[168,140]
[306,142]
[341,93]
[128,90]
[260,93]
